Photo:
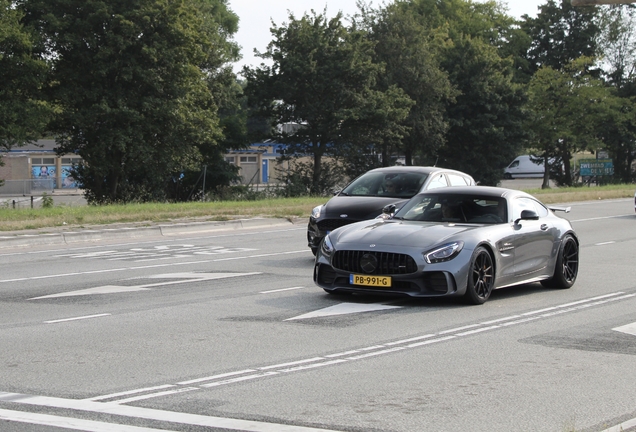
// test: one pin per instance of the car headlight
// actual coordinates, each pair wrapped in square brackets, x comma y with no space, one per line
[315,213]
[444,253]
[326,246]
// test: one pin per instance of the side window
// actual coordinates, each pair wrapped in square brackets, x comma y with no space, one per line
[457,180]
[437,182]
[515,164]
[521,204]
[540,208]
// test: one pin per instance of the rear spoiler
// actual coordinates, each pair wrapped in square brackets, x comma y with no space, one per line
[563,209]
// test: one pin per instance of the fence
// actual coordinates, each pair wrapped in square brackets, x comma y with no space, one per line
[27,187]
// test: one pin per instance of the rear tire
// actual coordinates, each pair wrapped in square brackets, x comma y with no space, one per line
[567,265]
[481,277]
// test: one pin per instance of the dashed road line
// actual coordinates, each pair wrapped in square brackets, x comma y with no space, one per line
[121,269]
[76,318]
[385,348]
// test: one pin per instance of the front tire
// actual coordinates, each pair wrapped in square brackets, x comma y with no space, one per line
[567,265]
[481,277]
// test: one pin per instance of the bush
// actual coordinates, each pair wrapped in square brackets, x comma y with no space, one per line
[47,200]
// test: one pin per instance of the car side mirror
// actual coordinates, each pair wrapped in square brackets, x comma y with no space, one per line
[388,209]
[527,215]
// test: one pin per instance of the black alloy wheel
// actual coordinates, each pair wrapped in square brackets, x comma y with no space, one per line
[481,278]
[567,265]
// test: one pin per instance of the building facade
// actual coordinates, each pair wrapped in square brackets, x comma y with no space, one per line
[36,168]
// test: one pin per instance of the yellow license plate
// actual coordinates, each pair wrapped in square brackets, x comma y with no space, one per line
[375,281]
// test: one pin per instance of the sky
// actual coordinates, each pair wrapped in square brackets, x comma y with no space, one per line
[255,17]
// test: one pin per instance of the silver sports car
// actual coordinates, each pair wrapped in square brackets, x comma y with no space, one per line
[458,241]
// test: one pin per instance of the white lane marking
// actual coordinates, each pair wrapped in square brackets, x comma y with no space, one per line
[237,379]
[106,289]
[455,330]
[281,290]
[126,393]
[262,255]
[153,414]
[604,243]
[277,366]
[163,393]
[402,344]
[479,330]
[622,427]
[214,377]
[629,329]
[140,267]
[165,240]
[343,309]
[70,423]
[76,318]
[112,289]
[601,218]
[411,339]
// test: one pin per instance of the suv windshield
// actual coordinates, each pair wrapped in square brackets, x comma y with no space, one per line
[398,185]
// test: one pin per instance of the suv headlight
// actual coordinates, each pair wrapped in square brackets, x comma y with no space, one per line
[326,246]
[315,213]
[444,253]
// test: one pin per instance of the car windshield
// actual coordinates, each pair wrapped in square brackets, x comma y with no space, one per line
[398,185]
[455,208]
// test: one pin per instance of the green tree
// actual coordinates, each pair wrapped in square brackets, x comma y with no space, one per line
[23,112]
[486,123]
[486,128]
[617,42]
[618,127]
[323,80]
[136,85]
[561,33]
[409,52]
[566,111]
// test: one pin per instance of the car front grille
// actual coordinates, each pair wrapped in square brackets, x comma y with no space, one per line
[383,262]
[332,224]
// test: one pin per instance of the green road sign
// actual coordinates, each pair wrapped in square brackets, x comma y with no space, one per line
[596,167]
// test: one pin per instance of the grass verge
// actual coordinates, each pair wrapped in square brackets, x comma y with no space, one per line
[151,213]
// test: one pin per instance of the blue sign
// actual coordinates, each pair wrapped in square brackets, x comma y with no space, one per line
[596,167]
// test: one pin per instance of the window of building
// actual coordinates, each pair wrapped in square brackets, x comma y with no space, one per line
[71,161]
[42,161]
[249,159]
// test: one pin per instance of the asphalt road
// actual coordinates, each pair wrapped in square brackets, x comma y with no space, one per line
[210,331]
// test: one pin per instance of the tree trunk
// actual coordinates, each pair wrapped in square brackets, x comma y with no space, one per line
[315,186]
[408,158]
[546,174]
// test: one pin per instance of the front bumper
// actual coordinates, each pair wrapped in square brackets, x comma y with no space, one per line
[420,284]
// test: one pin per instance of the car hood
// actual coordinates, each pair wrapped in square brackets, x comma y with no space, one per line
[397,233]
[358,208]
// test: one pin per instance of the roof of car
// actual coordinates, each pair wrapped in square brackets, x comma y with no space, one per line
[478,190]
[420,169]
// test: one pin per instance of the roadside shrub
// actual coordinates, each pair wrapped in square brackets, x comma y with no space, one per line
[47,200]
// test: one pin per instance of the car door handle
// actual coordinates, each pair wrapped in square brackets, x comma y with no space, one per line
[544,227]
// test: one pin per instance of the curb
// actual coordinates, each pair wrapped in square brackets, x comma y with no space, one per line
[10,240]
